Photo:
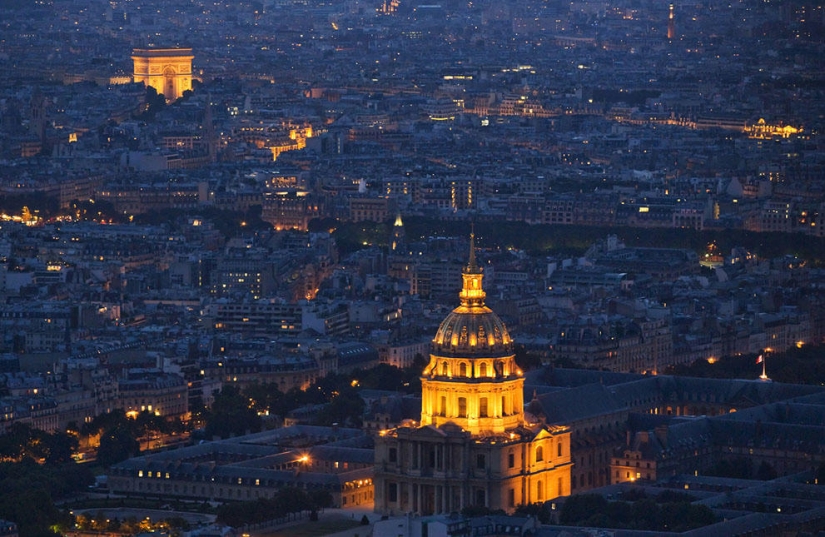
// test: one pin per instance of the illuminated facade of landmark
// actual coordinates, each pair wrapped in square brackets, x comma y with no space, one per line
[398,239]
[763,130]
[168,70]
[474,445]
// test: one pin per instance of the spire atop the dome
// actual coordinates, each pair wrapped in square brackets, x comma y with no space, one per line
[472,293]
[472,266]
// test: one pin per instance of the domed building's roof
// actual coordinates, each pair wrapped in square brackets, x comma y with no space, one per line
[472,329]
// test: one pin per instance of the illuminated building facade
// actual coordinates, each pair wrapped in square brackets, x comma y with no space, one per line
[148,391]
[168,70]
[290,209]
[763,130]
[474,445]
[141,198]
[364,208]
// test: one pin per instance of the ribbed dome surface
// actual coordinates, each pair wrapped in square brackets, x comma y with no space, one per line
[471,331]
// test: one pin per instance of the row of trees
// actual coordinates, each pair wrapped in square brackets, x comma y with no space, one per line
[636,510]
[539,239]
[229,223]
[98,522]
[798,365]
[37,470]
[37,203]
[21,442]
[38,467]
[286,502]
[121,436]
[236,412]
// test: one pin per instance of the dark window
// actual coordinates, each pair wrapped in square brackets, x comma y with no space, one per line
[511,497]
[481,462]
[393,492]
[511,460]
[393,454]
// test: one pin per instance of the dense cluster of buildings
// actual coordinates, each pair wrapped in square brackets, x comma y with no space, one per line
[110,304]
[477,442]
[595,117]
[198,119]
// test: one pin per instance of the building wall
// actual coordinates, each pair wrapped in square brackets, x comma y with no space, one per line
[164,400]
[422,471]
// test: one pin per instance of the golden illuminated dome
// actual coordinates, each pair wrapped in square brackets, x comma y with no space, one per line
[472,329]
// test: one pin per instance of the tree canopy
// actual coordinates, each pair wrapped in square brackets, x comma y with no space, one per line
[41,471]
[541,239]
[665,512]
[237,411]
[288,500]
[797,365]
[231,415]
